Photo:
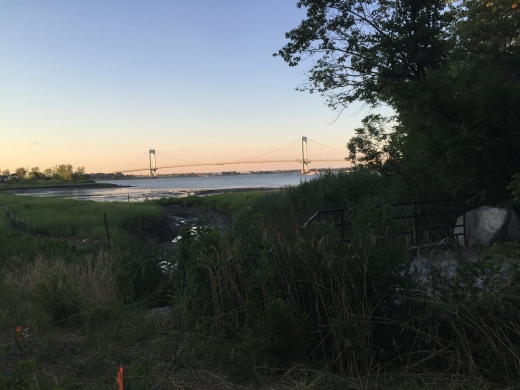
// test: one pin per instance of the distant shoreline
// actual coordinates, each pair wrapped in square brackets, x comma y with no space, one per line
[162,194]
[29,188]
[232,190]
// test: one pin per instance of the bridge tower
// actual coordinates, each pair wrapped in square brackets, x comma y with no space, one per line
[305,156]
[152,167]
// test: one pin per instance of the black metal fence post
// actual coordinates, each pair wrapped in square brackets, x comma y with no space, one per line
[342,223]
[108,235]
[447,218]
[464,221]
[415,233]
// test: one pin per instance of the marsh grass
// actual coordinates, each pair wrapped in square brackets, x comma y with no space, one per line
[231,204]
[70,271]
[84,219]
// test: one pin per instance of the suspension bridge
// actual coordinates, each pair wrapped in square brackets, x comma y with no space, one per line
[302,151]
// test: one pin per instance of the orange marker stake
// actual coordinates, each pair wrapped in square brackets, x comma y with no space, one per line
[19,334]
[120,378]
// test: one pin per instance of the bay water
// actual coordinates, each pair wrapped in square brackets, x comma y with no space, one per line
[137,190]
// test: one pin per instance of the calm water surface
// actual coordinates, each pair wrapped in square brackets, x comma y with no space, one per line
[142,189]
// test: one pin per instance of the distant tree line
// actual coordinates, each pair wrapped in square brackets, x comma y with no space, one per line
[58,172]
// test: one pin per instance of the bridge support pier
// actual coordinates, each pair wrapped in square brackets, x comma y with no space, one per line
[152,166]
[305,156]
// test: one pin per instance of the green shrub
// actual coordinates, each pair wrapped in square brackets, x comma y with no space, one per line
[140,276]
[60,300]
[292,298]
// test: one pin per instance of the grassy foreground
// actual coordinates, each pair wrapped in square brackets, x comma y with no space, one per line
[265,304]
[76,301]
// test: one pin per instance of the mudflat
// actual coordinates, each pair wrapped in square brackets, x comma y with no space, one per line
[35,188]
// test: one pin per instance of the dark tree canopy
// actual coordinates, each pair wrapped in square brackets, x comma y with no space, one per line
[449,69]
[362,48]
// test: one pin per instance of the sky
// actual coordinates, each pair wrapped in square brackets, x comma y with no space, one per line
[97,83]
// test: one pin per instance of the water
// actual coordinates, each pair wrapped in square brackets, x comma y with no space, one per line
[142,189]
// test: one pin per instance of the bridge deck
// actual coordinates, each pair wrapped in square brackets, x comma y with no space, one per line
[226,163]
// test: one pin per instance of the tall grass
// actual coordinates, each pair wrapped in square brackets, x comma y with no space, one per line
[61,290]
[80,228]
[273,295]
[267,296]
[16,244]
[84,219]
[294,205]
[356,311]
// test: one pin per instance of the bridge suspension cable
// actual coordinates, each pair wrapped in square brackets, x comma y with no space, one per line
[164,160]
[140,164]
[320,152]
[288,153]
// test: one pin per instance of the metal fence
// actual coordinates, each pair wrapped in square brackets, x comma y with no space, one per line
[422,219]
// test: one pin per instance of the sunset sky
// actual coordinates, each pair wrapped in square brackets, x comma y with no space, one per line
[98,83]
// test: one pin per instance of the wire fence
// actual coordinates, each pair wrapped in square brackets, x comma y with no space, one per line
[421,221]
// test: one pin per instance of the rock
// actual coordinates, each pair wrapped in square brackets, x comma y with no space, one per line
[489,225]
[158,313]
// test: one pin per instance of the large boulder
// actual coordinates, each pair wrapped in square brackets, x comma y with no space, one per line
[489,225]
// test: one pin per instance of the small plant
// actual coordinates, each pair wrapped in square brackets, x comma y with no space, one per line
[21,377]
[60,300]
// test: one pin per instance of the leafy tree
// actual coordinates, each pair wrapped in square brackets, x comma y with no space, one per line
[376,144]
[80,173]
[35,174]
[21,172]
[365,47]
[461,124]
[6,172]
[449,70]
[63,172]
[48,172]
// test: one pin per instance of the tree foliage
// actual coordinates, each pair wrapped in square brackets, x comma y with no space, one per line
[365,47]
[21,172]
[449,70]
[66,172]
[376,144]
[58,172]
